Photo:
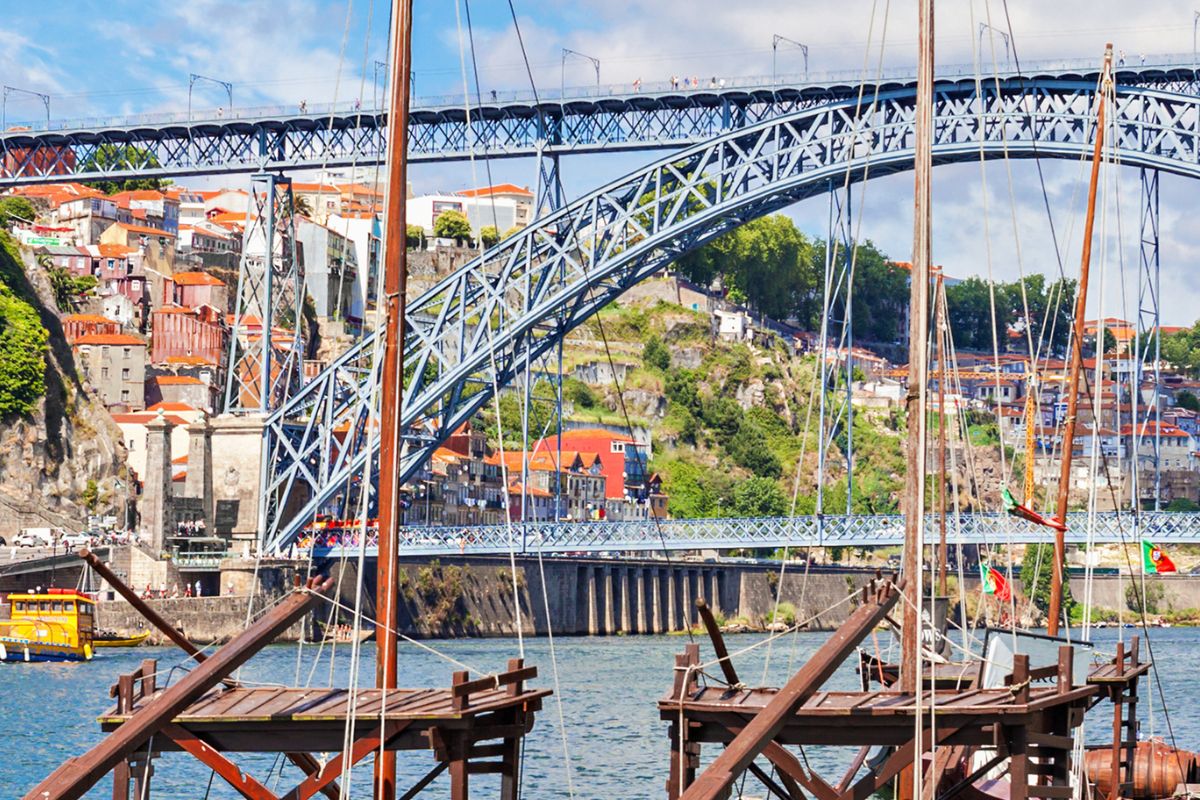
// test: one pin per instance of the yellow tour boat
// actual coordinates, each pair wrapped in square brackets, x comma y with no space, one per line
[109,639]
[55,625]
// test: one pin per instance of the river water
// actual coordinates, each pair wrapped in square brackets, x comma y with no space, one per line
[609,685]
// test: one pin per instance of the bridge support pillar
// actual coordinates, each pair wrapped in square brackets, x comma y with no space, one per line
[671,601]
[688,599]
[626,614]
[639,577]
[593,609]
[656,620]
[714,591]
[610,601]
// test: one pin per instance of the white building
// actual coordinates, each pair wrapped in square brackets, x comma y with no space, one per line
[330,269]
[365,233]
[504,206]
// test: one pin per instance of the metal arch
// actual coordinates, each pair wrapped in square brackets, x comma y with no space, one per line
[838,530]
[284,139]
[571,263]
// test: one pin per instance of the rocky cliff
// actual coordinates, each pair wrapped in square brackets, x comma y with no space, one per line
[63,451]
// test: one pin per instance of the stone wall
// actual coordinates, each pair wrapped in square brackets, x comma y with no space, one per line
[474,596]
[202,620]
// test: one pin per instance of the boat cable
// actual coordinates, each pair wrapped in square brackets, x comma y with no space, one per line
[848,274]
[473,143]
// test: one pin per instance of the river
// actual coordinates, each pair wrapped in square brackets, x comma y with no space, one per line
[609,685]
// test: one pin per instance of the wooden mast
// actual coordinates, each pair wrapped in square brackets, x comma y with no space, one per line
[1068,443]
[918,335]
[395,282]
[940,327]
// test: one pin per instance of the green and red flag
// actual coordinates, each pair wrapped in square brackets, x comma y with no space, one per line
[1154,560]
[994,583]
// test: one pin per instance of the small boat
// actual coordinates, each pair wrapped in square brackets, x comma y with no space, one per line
[111,639]
[55,625]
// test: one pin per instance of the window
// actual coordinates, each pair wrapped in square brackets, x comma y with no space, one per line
[19,606]
[135,285]
[104,351]
[104,373]
[124,395]
[56,607]
[125,374]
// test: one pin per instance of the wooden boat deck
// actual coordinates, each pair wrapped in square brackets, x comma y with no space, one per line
[882,717]
[265,719]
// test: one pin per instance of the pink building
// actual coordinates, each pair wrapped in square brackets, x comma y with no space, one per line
[77,325]
[192,289]
[186,332]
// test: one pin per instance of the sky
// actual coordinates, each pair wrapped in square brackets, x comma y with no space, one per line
[119,57]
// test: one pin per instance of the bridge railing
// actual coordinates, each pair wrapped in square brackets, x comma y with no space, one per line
[710,82]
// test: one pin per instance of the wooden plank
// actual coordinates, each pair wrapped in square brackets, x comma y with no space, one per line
[715,781]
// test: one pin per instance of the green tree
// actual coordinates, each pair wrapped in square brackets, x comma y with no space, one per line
[489,235]
[759,497]
[655,354]
[751,449]
[452,225]
[969,311]
[723,416]
[1039,563]
[301,206]
[23,340]
[16,208]
[579,393]
[69,289]
[768,261]
[1182,349]
[414,236]
[111,157]
[682,389]
[513,231]
[1187,400]
[90,495]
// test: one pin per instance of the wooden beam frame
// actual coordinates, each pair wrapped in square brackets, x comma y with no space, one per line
[715,782]
[73,779]
[361,748]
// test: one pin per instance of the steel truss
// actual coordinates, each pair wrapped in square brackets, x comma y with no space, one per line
[1148,343]
[836,530]
[266,348]
[571,263]
[117,149]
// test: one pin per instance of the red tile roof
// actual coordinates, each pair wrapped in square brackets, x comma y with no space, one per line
[143,230]
[109,338]
[178,380]
[172,407]
[88,318]
[196,279]
[500,188]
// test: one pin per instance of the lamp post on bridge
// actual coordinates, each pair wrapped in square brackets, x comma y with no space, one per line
[382,66]
[45,98]
[193,79]
[775,40]
[562,73]
[1195,22]
[983,26]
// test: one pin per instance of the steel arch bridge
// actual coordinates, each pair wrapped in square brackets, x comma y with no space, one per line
[511,125]
[476,328]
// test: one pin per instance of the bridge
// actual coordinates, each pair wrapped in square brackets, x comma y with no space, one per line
[769,533]
[478,327]
[502,124]
[738,152]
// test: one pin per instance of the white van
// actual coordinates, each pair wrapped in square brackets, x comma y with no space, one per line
[36,537]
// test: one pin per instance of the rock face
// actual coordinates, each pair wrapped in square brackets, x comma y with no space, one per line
[48,458]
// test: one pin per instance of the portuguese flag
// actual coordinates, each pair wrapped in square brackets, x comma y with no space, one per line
[994,583]
[1154,560]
